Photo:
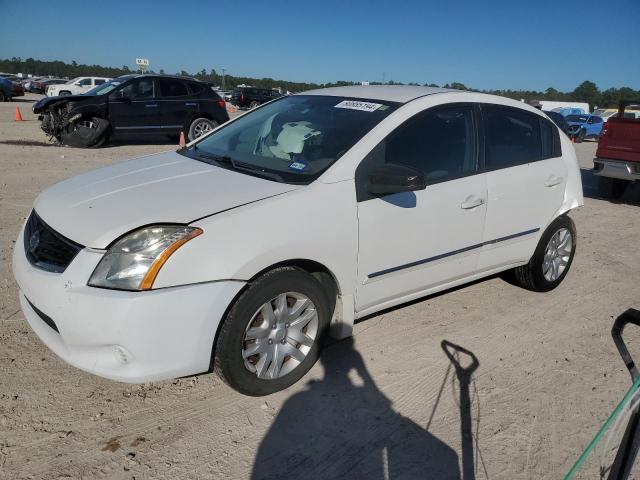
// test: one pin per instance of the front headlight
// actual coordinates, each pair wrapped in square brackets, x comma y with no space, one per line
[133,262]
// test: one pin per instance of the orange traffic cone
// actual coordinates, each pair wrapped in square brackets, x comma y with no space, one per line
[182,143]
[18,115]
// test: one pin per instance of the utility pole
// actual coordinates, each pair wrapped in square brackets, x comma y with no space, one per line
[223,79]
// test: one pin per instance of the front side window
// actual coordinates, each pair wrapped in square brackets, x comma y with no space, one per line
[170,87]
[440,143]
[294,139]
[512,137]
[85,82]
[139,89]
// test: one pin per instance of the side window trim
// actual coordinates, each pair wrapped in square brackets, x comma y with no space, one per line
[362,170]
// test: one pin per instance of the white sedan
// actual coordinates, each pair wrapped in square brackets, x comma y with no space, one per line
[241,251]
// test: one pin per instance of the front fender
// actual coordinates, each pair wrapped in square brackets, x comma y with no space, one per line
[318,223]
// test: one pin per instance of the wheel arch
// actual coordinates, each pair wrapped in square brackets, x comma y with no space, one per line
[319,271]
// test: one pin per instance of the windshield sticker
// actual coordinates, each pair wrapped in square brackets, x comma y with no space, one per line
[355,105]
[298,165]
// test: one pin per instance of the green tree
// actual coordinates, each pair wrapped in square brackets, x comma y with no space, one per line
[588,92]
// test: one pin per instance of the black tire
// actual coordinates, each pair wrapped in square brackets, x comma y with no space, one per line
[580,137]
[192,134]
[530,276]
[78,136]
[3,97]
[612,187]
[254,104]
[227,356]
[64,93]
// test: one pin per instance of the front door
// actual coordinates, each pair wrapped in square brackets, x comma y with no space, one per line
[135,108]
[411,243]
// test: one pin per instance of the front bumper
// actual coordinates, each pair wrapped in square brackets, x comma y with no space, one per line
[620,169]
[131,337]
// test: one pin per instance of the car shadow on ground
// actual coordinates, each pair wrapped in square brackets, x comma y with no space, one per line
[590,188]
[343,426]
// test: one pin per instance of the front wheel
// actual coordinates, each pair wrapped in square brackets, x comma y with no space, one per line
[199,127]
[581,136]
[254,104]
[271,336]
[552,258]
[3,97]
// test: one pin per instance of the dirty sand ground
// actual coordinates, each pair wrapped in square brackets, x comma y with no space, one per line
[381,407]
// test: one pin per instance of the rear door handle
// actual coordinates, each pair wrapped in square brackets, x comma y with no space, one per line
[471,202]
[149,105]
[552,181]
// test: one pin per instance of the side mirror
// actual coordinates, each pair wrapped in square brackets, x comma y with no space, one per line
[78,84]
[394,178]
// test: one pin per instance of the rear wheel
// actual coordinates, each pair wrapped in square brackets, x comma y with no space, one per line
[64,93]
[552,258]
[254,104]
[612,187]
[200,126]
[271,336]
[3,97]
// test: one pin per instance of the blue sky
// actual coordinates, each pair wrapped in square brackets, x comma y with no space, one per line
[483,44]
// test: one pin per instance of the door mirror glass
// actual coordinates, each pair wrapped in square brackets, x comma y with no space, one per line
[394,178]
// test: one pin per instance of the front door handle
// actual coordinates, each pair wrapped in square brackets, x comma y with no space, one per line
[552,181]
[471,202]
[149,105]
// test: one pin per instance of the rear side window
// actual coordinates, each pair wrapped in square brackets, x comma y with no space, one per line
[196,87]
[170,87]
[99,81]
[512,137]
[439,142]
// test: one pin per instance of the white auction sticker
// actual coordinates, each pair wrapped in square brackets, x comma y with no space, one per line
[355,105]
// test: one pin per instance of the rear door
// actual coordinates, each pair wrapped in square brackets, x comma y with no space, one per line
[177,104]
[138,109]
[526,178]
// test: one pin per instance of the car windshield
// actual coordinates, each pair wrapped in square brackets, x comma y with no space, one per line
[104,88]
[294,139]
[577,118]
[73,80]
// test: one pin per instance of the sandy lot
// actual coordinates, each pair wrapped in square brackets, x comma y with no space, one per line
[385,405]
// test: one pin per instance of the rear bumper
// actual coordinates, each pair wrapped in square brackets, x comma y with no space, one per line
[126,336]
[620,169]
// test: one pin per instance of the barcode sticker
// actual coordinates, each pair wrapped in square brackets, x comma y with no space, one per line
[355,105]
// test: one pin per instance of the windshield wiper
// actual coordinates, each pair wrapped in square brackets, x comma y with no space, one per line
[235,165]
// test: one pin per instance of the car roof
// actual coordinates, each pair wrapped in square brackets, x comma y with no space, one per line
[157,75]
[390,93]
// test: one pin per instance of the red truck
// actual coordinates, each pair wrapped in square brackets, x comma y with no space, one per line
[617,161]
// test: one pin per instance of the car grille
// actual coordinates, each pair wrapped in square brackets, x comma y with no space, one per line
[47,249]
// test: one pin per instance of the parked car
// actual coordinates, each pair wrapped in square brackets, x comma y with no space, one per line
[617,161]
[582,127]
[566,111]
[40,86]
[18,89]
[252,97]
[244,249]
[133,105]
[75,86]
[6,89]
[559,120]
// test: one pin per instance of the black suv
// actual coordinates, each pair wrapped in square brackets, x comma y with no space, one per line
[133,105]
[252,97]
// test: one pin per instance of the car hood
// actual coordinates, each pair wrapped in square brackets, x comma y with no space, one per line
[97,207]
[42,104]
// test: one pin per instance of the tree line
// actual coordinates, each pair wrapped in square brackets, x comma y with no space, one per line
[587,91]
